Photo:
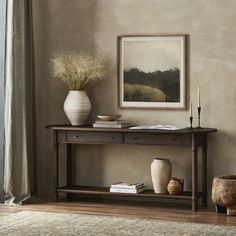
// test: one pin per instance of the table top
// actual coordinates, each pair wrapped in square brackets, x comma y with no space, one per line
[127,130]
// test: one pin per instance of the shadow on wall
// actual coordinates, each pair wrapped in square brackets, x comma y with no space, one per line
[221,157]
[222,140]
[88,164]
[61,27]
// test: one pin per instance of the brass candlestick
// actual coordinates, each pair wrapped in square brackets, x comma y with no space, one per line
[191,122]
[199,117]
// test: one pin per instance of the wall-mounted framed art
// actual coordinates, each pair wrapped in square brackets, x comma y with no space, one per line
[152,71]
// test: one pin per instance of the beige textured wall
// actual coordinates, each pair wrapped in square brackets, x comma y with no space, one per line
[93,26]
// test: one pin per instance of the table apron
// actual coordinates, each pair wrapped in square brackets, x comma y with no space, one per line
[86,137]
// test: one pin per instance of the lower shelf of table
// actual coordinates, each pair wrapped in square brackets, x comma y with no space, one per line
[91,190]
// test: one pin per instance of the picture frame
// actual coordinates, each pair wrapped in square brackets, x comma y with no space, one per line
[152,71]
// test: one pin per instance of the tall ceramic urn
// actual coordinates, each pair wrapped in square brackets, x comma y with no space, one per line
[161,170]
[77,107]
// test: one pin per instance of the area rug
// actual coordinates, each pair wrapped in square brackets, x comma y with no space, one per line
[46,223]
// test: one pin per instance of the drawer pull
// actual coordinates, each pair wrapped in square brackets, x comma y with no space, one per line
[112,137]
[135,138]
[76,136]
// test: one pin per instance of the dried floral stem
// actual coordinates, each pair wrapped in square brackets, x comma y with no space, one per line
[78,70]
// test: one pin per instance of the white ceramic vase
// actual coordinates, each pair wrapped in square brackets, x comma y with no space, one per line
[161,170]
[77,107]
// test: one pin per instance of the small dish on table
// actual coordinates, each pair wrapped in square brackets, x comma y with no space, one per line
[109,117]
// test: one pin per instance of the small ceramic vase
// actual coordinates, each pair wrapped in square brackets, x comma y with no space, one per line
[161,173]
[175,186]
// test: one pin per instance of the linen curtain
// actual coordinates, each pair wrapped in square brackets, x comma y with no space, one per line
[19,167]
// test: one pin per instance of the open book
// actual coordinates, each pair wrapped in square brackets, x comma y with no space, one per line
[164,127]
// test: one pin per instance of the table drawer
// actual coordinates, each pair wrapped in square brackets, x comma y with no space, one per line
[95,137]
[158,139]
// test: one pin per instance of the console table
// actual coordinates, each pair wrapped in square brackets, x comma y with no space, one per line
[194,138]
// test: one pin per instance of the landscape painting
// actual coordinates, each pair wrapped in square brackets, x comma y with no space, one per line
[152,71]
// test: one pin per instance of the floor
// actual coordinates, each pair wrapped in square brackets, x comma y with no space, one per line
[130,209]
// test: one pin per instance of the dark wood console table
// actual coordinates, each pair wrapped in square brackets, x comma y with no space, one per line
[193,138]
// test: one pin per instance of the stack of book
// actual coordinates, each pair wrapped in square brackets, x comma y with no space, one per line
[122,187]
[110,124]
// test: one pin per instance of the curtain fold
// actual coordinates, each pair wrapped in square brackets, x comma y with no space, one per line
[19,168]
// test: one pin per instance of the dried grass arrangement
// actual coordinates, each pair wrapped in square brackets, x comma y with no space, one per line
[78,70]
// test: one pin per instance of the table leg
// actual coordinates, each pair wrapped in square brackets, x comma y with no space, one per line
[204,175]
[194,175]
[55,164]
[69,167]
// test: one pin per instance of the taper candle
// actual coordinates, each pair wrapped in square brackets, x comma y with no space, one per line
[199,105]
[191,110]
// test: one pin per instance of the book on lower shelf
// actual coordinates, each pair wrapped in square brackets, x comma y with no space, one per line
[122,187]
[124,190]
[127,185]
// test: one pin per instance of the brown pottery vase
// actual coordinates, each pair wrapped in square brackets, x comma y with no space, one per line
[175,186]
